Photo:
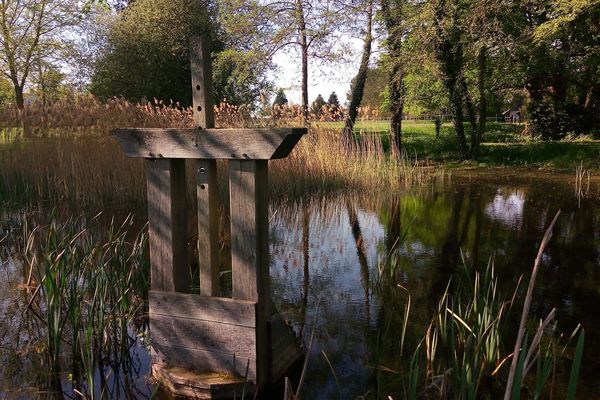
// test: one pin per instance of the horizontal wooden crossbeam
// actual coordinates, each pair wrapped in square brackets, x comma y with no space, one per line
[233,144]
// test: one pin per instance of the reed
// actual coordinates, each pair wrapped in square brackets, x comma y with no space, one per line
[82,165]
[582,182]
[462,353]
[86,288]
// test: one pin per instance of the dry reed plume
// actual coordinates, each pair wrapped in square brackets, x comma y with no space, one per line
[81,164]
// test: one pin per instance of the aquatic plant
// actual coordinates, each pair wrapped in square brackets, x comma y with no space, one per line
[87,291]
[462,353]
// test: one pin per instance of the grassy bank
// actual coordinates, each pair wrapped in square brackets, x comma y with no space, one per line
[503,145]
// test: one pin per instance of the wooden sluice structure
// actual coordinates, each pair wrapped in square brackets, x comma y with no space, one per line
[204,345]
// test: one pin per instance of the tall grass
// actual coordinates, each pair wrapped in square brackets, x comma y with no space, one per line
[582,182]
[81,164]
[463,355]
[87,290]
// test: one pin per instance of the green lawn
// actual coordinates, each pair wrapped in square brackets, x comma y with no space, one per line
[502,145]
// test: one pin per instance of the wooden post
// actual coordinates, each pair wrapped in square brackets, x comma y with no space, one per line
[206,170]
[249,207]
[167,230]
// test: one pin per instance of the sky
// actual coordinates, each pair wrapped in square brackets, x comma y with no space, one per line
[323,80]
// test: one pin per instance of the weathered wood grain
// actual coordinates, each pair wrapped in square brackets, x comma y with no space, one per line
[202,360]
[202,95]
[248,191]
[204,335]
[198,386]
[207,194]
[166,188]
[206,170]
[218,309]
[232,144]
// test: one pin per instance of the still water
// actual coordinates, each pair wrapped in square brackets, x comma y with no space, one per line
[325,257]
[326,253]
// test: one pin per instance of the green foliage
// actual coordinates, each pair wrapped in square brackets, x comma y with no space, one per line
[236,78]
[7,92]
[461,353]
[280,98]
[375,85]
[316,107]
[91,292]
[333,100]
[147,54]
[33,32]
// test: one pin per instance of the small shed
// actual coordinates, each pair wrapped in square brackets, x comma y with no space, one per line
[512,116]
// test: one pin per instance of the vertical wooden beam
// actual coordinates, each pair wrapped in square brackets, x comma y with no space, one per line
[204,116]
[206,170]
[168,230]
[249,207]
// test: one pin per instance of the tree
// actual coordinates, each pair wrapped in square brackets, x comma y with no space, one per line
[317,106]
[237,78]
[333,100]
[304,27]
[147,51]
[280,98]
[49,83]
[561,71]
[146,55]
[456,42]
[373,92]
[32,31]
[393,17]
[358,84]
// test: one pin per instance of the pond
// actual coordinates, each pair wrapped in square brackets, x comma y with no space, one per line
[326,252]
[326,258]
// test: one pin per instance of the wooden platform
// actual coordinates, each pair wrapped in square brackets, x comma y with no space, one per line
[205,347]
[182,383]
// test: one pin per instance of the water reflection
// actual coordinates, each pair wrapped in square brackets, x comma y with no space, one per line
[507,208]
[325,254]
[325,259]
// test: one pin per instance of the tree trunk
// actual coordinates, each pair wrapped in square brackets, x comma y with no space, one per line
[458,118]
[482,63]
[449,54]
[19,96]
[471,114]
[359,81]
[393,22]
[301,26]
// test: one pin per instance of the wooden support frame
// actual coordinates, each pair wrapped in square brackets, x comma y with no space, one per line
[167,234]
[204,345]
[227,144]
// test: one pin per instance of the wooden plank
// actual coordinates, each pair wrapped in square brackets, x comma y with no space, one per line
[218,309]
[202,96]
[232,144]
[206,170]
[285,348]
[194,385]
[207,194]
[202,360]
[166,188]
[203,335]
[248,190]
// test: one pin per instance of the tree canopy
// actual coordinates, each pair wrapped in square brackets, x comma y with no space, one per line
[146,55]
